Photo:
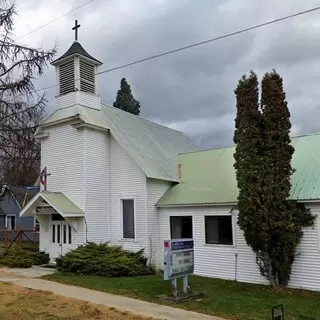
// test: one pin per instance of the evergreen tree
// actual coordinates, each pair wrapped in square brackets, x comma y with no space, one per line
[125,100]
[285,218]
[271,223]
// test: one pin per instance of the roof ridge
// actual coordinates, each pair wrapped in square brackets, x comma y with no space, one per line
[232,146]
[139,117]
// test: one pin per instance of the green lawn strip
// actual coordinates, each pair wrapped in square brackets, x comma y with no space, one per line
[229,299]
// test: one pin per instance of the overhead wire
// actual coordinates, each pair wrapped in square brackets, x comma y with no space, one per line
[54,20]
[300,13]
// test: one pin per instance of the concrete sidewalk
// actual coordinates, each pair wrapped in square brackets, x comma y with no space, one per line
[119,302]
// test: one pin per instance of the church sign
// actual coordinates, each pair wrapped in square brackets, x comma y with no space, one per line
[45,210]
[178,261]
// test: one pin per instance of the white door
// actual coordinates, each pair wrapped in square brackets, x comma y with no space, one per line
[61,238]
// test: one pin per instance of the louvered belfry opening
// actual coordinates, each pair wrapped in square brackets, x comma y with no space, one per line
[87,77]
[66,78]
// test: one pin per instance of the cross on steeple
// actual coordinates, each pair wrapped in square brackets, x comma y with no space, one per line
[75,28]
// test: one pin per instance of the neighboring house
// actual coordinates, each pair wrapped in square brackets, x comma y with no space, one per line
[117,177]
[10,205]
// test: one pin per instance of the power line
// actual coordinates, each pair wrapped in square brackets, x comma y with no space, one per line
[211,40]
[54,20]
[201,43]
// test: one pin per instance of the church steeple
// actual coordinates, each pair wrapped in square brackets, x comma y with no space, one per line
[76,76]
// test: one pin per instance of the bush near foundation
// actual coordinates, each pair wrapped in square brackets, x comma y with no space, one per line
[18,257]
[104,260]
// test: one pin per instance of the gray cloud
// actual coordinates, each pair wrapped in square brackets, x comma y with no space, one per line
[191,90]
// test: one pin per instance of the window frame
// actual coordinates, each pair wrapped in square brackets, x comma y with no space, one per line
[232,230]
[134,239]
[15,221]
[181,216]
[35,225]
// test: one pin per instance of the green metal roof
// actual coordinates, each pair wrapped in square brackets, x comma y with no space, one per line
[58,201]
[61,203]
[153,147]
[208,177]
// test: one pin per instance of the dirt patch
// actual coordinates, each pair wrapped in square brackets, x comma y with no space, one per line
[18,303]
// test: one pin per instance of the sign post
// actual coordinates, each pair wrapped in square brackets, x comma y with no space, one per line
[277,312]
[178,262]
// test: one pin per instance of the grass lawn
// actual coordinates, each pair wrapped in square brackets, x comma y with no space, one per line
[228,299]
[19,303]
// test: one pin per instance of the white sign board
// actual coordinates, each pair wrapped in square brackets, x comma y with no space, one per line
[178,258]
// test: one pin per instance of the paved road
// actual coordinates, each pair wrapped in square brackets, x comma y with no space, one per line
[27,278]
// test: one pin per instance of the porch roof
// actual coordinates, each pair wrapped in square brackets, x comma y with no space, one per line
[58,201]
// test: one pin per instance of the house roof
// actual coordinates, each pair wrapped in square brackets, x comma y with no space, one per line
[153,147]
[61,203]
[208,177]
[76,49]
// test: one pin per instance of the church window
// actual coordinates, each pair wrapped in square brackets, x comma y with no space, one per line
[128,219]
[218,230]
[181,227]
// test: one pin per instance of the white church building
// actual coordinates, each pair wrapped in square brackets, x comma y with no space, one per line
[118,177]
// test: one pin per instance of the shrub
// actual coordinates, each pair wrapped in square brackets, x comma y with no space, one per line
[18,257]
[104,260]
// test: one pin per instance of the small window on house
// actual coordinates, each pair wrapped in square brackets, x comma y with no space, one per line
[11,222]
[64,233]
[36,225]
[181,227]
[128,219]
[218,230]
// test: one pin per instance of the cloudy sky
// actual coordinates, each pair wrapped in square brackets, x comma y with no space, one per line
[193,90]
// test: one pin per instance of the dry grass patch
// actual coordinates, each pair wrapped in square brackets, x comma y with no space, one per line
[18,303]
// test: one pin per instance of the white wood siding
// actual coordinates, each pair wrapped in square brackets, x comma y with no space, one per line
[96,158]
[63,155]
[82,98]
[155,189]
[237,262]
[127,181]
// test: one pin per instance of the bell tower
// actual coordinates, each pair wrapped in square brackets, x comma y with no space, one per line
[76,77]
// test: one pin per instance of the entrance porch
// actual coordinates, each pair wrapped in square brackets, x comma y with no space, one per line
[62,223]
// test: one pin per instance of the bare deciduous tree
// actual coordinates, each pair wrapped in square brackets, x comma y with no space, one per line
[21,108]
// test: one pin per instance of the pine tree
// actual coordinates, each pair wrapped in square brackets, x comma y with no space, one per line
[125,100]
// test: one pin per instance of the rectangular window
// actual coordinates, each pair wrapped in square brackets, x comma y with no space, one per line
[64,233]
[218,230]
[58,233]
[53,233]
[70,235]
[36,225]
[11,222]
[181,227]
[128,219]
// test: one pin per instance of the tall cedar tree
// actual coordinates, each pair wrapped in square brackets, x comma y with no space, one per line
[125,100]
[21,108]
[270,222]
[285,218]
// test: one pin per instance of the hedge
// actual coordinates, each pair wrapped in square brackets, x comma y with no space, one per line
[104,260]
[18,257]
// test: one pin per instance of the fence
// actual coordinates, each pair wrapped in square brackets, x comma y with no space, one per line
[18,236]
